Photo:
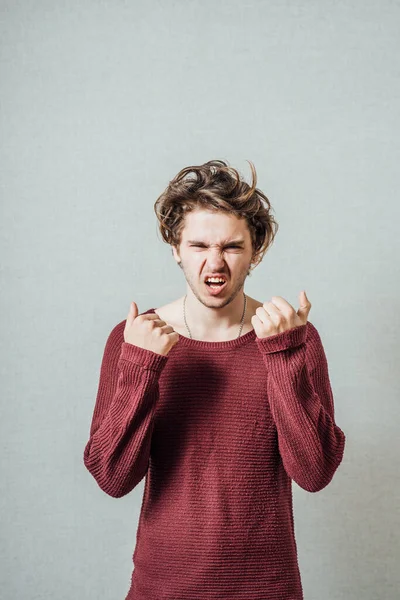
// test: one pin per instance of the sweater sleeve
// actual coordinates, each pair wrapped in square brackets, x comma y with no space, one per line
[118,449]
[300,395]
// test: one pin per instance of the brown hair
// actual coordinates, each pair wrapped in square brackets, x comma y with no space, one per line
[216,186]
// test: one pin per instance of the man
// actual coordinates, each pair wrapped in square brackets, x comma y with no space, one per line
[220,400]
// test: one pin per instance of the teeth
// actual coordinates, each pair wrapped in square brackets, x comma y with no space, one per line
[216,279]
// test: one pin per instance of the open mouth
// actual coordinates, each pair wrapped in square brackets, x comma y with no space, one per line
[215,287]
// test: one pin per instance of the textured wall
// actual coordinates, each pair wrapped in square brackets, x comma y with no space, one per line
[101,104]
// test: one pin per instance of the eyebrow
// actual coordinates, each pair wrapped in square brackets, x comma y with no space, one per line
[231,242]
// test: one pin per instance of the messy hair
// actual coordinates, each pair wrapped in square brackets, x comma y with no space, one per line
[218,187]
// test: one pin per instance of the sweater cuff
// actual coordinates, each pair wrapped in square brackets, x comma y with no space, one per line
[281,341]
[142,356]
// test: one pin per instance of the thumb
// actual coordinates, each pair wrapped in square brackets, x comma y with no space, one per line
[133,312]
[305,306]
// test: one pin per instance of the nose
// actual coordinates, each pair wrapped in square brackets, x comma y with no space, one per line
[215,260]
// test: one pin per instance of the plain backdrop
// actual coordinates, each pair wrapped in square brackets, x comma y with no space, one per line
[102,103]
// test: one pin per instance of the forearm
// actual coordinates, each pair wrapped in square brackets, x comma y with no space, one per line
[300,396]
[117,453]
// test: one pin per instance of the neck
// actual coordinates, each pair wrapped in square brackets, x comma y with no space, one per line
[215,317]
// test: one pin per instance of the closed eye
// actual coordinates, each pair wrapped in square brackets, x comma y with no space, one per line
[200,246]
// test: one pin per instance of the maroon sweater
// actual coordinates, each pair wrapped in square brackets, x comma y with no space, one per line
[220,430]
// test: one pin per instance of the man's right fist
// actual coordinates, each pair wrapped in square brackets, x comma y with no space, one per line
[149,331]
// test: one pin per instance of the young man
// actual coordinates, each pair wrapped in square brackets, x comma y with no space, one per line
[220,400]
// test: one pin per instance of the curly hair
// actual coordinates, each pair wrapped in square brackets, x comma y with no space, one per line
[217,187]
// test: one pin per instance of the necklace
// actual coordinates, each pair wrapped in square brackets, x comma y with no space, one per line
[241,323]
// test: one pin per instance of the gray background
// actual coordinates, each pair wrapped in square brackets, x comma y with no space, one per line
[102,103]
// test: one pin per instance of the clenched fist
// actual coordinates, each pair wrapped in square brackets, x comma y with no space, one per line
[149,331]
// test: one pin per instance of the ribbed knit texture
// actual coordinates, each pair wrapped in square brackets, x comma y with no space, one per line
[220,429]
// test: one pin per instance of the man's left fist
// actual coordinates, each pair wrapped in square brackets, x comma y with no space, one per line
[278,315]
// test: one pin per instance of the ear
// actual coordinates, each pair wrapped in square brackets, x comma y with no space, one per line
[255,259]
[176,254]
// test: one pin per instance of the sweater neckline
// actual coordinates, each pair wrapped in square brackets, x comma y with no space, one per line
[220,345]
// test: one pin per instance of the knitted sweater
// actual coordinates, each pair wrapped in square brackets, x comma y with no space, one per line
[220,430]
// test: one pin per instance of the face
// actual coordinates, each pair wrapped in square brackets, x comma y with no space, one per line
[214,242]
